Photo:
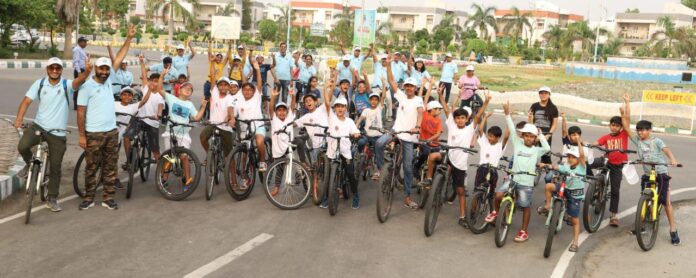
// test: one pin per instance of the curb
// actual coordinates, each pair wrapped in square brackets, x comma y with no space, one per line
[10,183]
[39,64]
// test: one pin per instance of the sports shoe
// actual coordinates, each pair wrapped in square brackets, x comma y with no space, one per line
[522,236]
[490,218]
[262,167]
[375,176]
[356,202]
[426,183]
[464,222]
[53,205]
[675,238]
[110,204]
[118,185]
[85,204]
[125,166]
[22,174]
[324,203]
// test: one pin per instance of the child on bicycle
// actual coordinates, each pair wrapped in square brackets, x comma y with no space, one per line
[372,117]
[315,114]
[571,139]
[281,117]
[459,134]
[248,108]
[126,107]
[431,127]
[361,99]
[652,149]
[574,191]
[526,155]
[221,107]
[492,145]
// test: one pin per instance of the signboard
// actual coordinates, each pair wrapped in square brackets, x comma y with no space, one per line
[317,29]
[669,97]
[226,27]
[364,27]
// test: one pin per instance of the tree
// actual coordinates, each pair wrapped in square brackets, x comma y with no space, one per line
[382,9]
[422,46]
[442,38]
[382,33]
[342,32]
[554,36]
[632,11]
[108,9]
[483,19]
[246,14]
[667,32]
[174,8]
[517,23]
[285,12]
[134,20]
[267,29]
[612,46]
[447,25]
[228,10]
[68,12]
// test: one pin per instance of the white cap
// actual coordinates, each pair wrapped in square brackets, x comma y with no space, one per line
[448,55]
[529,128]
[545,89]
[411,81]
[241,46]
[234,83]
[180,46]
[54,61]
[382,56]
[340,100]
[280,103]
[470,68]
[223,79]
[103,61]
[236,57]
[397,53]
[433,105]
[346,57]
[574,151]
[127,89]
[259,56]
[375,94]
[420,60]
[468,110]
[356,48]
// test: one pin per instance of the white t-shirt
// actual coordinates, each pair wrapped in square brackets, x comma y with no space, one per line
[150,108]
[218,108]
[130,109]
[407,115]
[339,128]
[373,118]
[488,153]
[249,109]
[318,117]
[281,140]
[459,137]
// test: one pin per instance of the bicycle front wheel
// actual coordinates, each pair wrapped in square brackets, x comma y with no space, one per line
[210,172]
[321,174]
[553,226]
[334,183]
[502,226]
[645,225]
[43,189]
[385,195]
[479,208]
[287,189]
[240,174]
[432,207]
[132,168]
[31,191]
[145,161]
[177,174]
[593,207]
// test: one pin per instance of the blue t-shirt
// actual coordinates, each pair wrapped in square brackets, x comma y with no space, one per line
[99,100]
[448,71]
[181,111]
[306,72]
[264,73]
[344,73]
[356,62]
[398,70]
[173,74]
[122,77]
[574,183]
[180,63]
[53,106]
[419,76]
[283,66]
[380,72]
[361,101]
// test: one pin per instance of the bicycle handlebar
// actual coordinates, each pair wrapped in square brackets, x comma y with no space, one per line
[468,150]
[654,163]
[40,132]
[603,149]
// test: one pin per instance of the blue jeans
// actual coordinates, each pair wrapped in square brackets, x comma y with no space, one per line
[379,150]
[284,90]
[406,159]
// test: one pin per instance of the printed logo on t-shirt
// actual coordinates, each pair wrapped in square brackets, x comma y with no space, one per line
[180,111]
[311,120]
[453,137]
[524,154]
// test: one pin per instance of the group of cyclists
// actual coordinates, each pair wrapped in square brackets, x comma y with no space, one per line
[388,129]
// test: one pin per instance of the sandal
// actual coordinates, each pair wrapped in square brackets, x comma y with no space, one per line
[542,210]
[573,248]
[614,222]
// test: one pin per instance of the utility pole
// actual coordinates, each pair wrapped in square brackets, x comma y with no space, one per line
[596,44]
[289,14]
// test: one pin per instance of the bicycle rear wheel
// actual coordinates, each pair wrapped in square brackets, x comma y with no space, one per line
[479,208]
[31,191]
[321,173]
[132,168]
[172,166]
[645,226]
[290,195]
[145,161]
[385,195]
[432,208]
[502,227]
[79,176]
[240,174]
[553,226]
[593,207]
[334,183]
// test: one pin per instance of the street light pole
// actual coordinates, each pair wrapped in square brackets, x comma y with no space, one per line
[289,16]
[596,43]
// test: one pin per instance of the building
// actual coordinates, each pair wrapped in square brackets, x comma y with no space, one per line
[406,19]
[636,29]
[319,15]
[542,17]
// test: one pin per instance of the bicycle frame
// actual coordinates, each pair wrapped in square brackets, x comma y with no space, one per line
[652,186]
[38,157]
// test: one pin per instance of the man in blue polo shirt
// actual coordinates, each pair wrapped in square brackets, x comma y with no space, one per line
[282,63]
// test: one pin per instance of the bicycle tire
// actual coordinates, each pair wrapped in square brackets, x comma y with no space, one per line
[131,172]
[432,209]
[79,178]
[233,160]
[31,191]
[359,166]
[502,227]
[644,222]
[175,152]
[145,161]
[321,172]
[553,226]
[280,165]
[479,208]
[334,182]
[210,172]
[385,195]
[593,206]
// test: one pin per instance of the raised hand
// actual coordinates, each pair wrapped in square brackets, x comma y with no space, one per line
[141,58]
[489,114]
[506,108]
[626,97]
[563,115]
[488,96]
[88,64]
[275,92]
[131,31]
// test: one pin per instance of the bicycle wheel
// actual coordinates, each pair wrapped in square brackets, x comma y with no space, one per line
[145,161]
[432,209]
[321,172]
[210,172]
[553,226]
[31,191]
[79,176]
[502,226]
[43,189]
[479,208]
[174,187]
[645,226]
[385,195]
[240,174]
[132,168]
[334,182]
[287,195]
[593,207]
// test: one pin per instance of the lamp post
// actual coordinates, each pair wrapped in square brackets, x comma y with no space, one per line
[596,44]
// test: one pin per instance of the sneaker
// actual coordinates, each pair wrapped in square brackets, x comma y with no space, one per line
[542,211]
[411,204]
[262,166]
[464,222]
[522,236]
[490,218]
[426,183]
[450,199]
[675,238]
[375,176]
[356,202]
[118,185]
[53,205]
[22,174]
[85,204]
[110,204]
[324,203]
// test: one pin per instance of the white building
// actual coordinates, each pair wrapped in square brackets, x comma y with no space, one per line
[543,15]
[319,15]
[636,29]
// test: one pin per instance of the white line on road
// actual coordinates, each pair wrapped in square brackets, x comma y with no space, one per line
[229,257]
[564,261]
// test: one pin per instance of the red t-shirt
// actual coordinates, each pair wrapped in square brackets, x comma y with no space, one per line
[620,141]
[429,127]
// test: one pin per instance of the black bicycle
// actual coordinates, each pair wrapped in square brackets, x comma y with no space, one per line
[337,176]
[80,171]
[320,169]
[215,159]
[481,203]
[139,157]
[242,163]
[174,178]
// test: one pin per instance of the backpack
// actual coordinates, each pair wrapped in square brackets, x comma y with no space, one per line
[65,90]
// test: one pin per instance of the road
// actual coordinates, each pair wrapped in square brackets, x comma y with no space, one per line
[152,237]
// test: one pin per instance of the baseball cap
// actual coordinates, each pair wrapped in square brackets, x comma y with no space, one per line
[448,55]
[382,56]
[82,39]
[356,48]
[410,81]
[187,84]
[241,46]
[529,128]
[180,46]
[545,89]
[223,79]
[281,104]
[54,61]
[468,110]
[397,53]
[346,57]
[236,57]
[433,105]
[127,89]
[574,151]
[234,83]
[340,100]
[103,61]
[375,94]
[470,68]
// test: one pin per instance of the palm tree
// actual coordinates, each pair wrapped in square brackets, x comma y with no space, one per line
[68,12]
[285,11]
[448,21]
[554,36]
[581,31]
[668,32]
[346,14]
[482,19]
[382,32]
[517,23]
[228,10]
[613,46]
[173,8]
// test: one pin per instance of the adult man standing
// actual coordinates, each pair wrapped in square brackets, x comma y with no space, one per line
[96,122]
[53,94]
[282,63]
[181,60]
[79,58]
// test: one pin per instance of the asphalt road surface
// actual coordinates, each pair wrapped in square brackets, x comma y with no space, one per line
[152,237]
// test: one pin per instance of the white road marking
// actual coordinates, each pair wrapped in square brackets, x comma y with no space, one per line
[229,257]
[564,261]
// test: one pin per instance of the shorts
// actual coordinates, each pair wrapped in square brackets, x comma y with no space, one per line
[572,204]
[121,131]
[226,137]
[524,193]
[481,177]
[261,130]
[458,177]
[152,137]
[662,186]
[183,140]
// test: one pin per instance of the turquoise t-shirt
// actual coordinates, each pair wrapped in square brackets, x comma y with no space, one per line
[99,100]
[123,77]
[398,70]
[650,150]
[180,63]
[306,72]
[419,76]
[448,71]
[526,158]
[380,72]
[181,111]
[53,106]
[356,62]
[283,66]
[173,74]
[573,183]
[344,73]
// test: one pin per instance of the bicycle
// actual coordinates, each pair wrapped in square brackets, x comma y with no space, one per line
[288,178]
[481,203]
[365,160]
[441,179]
[244,159]
[139,156]
[79,171]
[507,207]
[558,207]
[649,208]
[172,162]
[392,161]
[598,192]
[319,170]
[336,179]
[38,167]
[215,158]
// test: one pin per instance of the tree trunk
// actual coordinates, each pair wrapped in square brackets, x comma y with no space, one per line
[68,43]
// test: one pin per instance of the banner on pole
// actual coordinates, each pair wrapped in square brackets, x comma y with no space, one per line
[364,27]
[669,97]
[226,27]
